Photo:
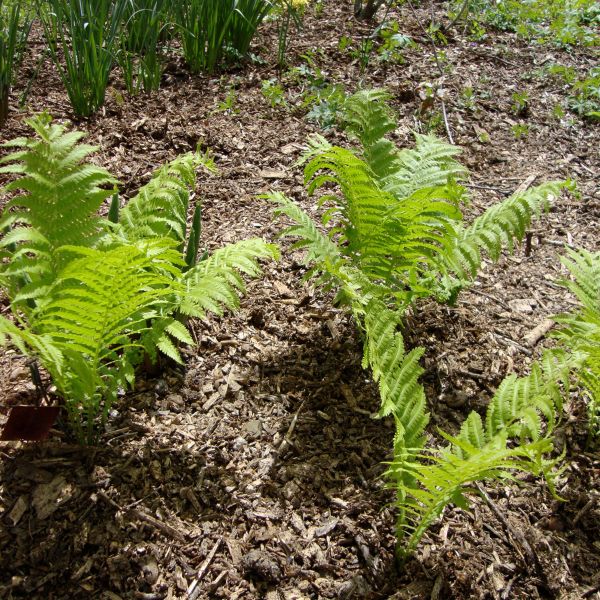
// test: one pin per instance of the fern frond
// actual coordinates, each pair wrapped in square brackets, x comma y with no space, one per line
[61,195]
[100,297]
[580,331]
[500,226]
[523,410]
[431,163]
[441,480]
[397,374]
[216,283]
[386,237]
[160,208]
[368,118]
[319,248]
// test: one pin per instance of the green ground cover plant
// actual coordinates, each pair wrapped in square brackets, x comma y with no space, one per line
[93,298]
[554,22]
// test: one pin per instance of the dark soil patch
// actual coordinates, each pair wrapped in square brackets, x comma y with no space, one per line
[256,471]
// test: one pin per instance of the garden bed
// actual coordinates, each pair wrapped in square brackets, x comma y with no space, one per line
[256,470]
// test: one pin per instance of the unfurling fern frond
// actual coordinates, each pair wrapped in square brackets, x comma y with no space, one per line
[216,283]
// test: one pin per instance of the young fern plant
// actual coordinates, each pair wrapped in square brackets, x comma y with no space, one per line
[419,202]
[393,234]
[92,297]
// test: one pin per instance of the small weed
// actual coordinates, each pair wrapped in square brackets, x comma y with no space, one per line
[344,43]
[273,92]
[468,99]
[324,99]
[520,130]
[228,105]
[585,97]
[393,43]
[520,103]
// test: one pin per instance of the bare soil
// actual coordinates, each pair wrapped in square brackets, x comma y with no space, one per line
[256,471]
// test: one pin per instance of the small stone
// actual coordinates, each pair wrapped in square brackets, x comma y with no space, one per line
[239,442]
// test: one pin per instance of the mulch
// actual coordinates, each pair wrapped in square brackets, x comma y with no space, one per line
[256,470]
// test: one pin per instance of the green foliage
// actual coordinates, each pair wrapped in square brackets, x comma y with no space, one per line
[581,330]
[139,55]
[545,21]
[585,97]
[213,30]
[323,99]
[393,233]
[57,207]
[14,30]
[92,297]
[83,37]
[273,92]
[398,217]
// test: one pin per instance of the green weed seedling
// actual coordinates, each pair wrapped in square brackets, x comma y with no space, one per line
[520,103]
[93,298]
[520,130]
[273,92]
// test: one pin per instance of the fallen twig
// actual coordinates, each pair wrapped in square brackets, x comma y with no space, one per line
[193,592]
[538,332]
[439,67]
[146,518]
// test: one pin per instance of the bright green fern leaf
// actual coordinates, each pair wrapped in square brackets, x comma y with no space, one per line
[216,283]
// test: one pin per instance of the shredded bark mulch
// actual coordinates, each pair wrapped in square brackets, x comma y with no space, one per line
[256,470]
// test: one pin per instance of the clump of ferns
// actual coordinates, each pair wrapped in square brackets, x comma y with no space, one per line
[91,296]
[393,234]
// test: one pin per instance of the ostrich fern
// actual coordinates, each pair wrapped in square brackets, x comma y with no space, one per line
[395,232]
[90,296]
[397,216]
[580,330]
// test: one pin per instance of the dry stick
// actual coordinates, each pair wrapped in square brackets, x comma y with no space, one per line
[585,509]
[511,533]
[192,592]
[287,438]
[538,332]
[437,62]
[142,516]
